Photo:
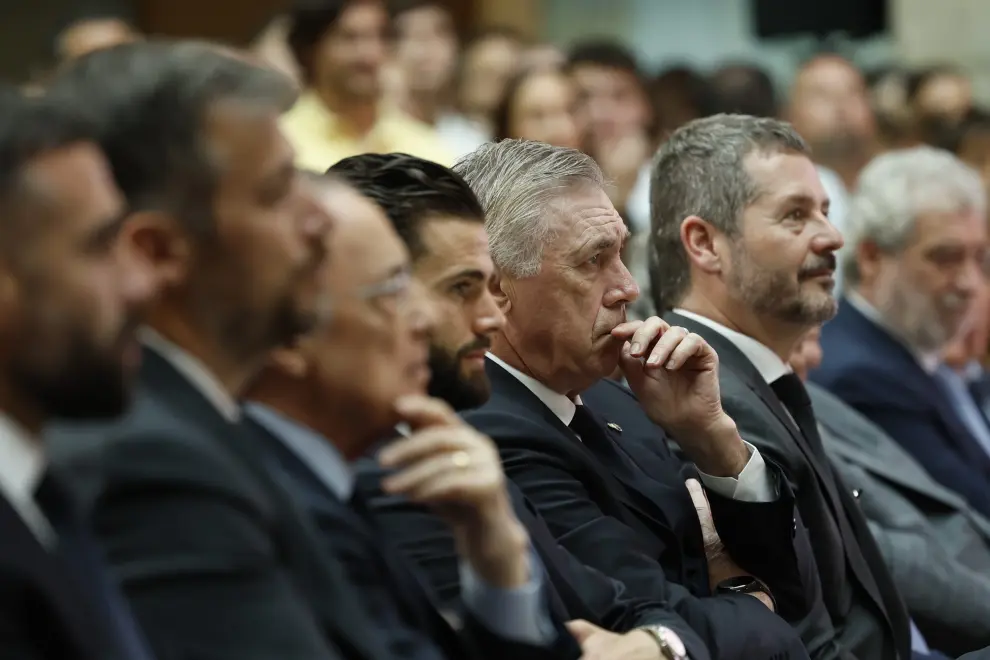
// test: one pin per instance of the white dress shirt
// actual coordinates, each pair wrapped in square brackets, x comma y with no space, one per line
[22,464]
[194,371]
[517,614]
[752,485]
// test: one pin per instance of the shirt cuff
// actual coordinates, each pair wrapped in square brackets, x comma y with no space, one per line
[519,615]
[754,483]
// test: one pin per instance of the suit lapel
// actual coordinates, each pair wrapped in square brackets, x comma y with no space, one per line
[323,583]
[619,477]
[23,555]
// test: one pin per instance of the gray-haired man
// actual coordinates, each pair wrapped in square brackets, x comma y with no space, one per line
[591,456]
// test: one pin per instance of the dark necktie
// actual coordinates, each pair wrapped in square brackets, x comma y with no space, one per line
[792,393]
[78,553]
[856,537]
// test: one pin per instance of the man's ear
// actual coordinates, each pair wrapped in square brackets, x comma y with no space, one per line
[500,289]
[158,237]
[702,245]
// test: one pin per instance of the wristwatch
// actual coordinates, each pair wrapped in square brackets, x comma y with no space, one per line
[745,584]
[671,646]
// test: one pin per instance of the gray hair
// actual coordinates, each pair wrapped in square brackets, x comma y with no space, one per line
[518,183]
[699,171]
[151,100]
[898,187]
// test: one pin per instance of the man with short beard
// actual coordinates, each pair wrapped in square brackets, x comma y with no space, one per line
[213,555]
[70,298]
[743,255]
[918,255]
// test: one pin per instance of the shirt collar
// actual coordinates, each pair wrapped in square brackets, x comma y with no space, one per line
[559,404]
[768,363]
[195,372]
[22,461]
[929,362]
[313,449]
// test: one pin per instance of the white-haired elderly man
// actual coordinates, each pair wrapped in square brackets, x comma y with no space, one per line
[918,248]
[592,456]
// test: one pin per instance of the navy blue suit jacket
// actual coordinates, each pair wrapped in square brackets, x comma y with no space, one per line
[347,533]
[874,373]
[618,503]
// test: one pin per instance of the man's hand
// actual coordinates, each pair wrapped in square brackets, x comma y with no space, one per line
[674,374]
[600,644]
[449,466]
[721,566]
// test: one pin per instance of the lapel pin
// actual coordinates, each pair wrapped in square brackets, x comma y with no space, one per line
[615,427]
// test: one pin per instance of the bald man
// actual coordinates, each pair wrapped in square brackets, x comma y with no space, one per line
[829,106]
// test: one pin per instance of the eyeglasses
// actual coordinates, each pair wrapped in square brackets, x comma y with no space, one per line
[391,294]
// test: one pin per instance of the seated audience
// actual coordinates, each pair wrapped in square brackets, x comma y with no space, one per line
[442,224]
[324,402]
[936,546]
[539,105]
[743,256]
[590,455]
[615,112]
[341,47]
[918,249]
[489,60]
[215,558]
[424,66]
[70,301]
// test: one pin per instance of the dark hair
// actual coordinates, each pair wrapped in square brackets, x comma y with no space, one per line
[952,135]
[30,127]
[309,22]
[743,89]
[919,79]
[149,101]
[604,53]
[410,190]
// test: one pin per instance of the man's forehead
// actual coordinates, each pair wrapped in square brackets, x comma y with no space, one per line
[450,244]
[783,174]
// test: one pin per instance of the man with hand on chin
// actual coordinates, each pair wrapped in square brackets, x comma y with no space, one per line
[592,456]
[325,401]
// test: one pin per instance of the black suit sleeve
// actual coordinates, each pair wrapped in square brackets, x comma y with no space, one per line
[426,539]
[15,642]
[782,557]
[731,626]
[189,542]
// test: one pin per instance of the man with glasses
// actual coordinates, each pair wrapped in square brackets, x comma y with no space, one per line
[325,401]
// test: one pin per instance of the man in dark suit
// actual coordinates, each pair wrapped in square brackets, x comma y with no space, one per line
[442,224]
[936,546]
[216,559]
[744,255]
[591,456]
[327,400]
[68,308]
[911,281]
